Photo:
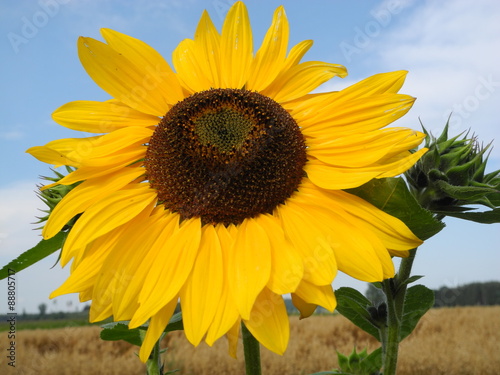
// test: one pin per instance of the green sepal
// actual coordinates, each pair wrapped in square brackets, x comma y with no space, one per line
[353,305]
[42,250]
[360,363]
[464,192]
[486,217]
[418,300]
[119,330]
[392,196]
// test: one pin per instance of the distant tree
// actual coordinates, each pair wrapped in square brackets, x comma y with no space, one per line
[484,294]
[43,310]
[375,295]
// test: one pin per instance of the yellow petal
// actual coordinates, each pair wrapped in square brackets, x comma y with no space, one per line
[236,47]
[51,156]
[207,40]
[87,172]
[392,231]
[158,78]
[98,313]
[268,322]
[296,53]
[173,263]
[312,240]
[227,312]
[203,288]
[354,253]
[156,327]
[119,77]
[189,67]
[302,79]
[359,150]
[83,276]
[68,151]
[121,281]
[400,163]
[110,212]
[350,117]
[232,338]
[118,147]
[317,295]
[306,309]
[270,58]
[249,265]
[335,178]
[100,117]
[376,84]
[86,194]
[287,267]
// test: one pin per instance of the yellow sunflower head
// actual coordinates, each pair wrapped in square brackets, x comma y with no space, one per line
[220,183]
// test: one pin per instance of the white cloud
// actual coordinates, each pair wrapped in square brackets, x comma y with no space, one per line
[20,207]
[10,135]
[451,50]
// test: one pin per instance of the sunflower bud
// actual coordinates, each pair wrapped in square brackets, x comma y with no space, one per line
[451,175]
[52,194]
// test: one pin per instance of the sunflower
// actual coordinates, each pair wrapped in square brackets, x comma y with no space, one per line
[220,182]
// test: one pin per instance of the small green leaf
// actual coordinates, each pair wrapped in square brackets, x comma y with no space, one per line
[42,250]
[486,217]
[373,363]
[353,305]
[175,323]
[343,362]
[418,300]
[410,280]
[120,331]
[391,195]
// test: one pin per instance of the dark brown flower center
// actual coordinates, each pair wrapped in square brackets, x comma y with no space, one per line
[225,155]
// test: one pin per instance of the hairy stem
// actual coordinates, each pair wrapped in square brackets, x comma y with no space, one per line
[251,348]
[395,291]
[153,365]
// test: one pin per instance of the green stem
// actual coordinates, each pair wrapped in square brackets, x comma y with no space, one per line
[404,274]
[395,291]
[153,365]
[251,348]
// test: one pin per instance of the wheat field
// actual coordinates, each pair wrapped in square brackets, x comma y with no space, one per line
[458,341]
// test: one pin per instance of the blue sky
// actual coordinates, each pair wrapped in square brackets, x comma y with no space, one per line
[449,48]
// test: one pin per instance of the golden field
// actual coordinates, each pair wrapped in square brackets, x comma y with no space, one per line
[457,341]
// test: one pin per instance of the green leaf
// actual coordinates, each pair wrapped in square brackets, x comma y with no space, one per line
[120,331]
[486,217]
[391,195]
[373,363]
[42,250]
[410,280]
[418,300]
[353,305]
